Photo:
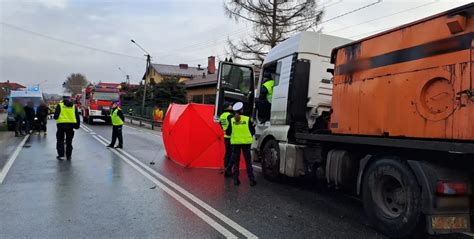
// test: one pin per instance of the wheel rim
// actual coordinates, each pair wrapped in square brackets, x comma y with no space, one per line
[271,158]
[391,196]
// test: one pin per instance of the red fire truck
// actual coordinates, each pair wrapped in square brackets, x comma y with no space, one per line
[96,102]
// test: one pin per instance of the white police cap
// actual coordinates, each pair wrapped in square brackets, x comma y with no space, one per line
[238,106]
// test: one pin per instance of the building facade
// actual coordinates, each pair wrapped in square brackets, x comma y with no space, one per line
[200,82]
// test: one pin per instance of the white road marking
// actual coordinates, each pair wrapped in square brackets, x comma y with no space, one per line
[103,138]
[198,201]
[173,194]
[84,128]
[258,168]
[12,159]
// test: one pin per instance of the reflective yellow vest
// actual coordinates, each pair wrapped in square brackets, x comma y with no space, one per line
[67,114]
[116,120]
[269,85]
[224,122]
[240,131]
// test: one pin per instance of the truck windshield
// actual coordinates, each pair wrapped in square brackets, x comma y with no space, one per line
[106,96]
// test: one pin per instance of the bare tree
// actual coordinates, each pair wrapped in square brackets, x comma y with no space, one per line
[75,83]
[273,22]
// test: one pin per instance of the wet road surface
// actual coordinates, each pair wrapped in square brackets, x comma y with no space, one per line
[137,192]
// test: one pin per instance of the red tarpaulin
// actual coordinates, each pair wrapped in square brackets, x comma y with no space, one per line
[192,138]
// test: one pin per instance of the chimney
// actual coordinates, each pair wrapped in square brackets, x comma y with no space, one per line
[211,65]
[183,66]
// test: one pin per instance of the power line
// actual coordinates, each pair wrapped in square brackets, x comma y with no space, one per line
[66,41]
[389,15]
[365,33]
[206,44]
[213,42]
[352,11]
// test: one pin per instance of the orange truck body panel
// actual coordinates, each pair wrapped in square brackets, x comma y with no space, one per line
[414,81]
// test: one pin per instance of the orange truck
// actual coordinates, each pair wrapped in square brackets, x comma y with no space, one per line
[388,118]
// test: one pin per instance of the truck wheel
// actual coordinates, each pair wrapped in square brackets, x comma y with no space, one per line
[271,161]
[392,198]
[90,120]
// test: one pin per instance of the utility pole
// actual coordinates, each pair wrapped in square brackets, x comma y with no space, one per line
[127,76]
[148,63]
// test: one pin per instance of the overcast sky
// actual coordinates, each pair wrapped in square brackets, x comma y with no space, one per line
[43,41]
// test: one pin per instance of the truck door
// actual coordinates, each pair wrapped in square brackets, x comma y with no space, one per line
[235,83]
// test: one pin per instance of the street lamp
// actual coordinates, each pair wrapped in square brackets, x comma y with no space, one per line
[148,62]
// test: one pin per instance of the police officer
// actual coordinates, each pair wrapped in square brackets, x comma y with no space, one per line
[241,133]
[117,119]
[224,120]
[67,119]
[264,103]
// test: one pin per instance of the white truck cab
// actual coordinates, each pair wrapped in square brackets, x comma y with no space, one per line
[301,95]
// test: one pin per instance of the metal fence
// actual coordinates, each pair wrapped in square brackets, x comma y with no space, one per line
[136,110]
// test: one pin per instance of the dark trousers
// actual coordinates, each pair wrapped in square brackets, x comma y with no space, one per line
[117,133]
[43,122]
[228,155]
[29,125]
[263,110]
[18,125]
[245,148]
[62,131]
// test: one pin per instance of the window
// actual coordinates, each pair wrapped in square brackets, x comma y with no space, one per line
[209,99]
[107,96]
[272,71]
[236,78]
[196,99]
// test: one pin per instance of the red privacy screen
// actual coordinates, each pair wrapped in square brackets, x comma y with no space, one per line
[192,138]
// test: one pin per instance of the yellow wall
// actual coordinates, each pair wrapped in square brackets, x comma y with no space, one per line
[153,74]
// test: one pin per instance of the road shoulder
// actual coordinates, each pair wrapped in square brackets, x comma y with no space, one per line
[8,144]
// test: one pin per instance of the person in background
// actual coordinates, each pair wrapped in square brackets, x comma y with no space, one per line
[67,119]
[42,114]
[160,114]
[117,119]
[19,114]
[225,119]
[29,117]
[241,133]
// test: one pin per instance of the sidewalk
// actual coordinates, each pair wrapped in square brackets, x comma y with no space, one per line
[144,125]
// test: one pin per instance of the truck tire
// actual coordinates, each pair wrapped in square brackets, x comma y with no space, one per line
[271,161]
[392,198]
[90,120]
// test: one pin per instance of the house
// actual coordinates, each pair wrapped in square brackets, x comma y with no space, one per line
[9,86]
[200,82]
[6,87]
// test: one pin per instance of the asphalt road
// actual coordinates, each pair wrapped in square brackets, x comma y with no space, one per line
[137,192]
